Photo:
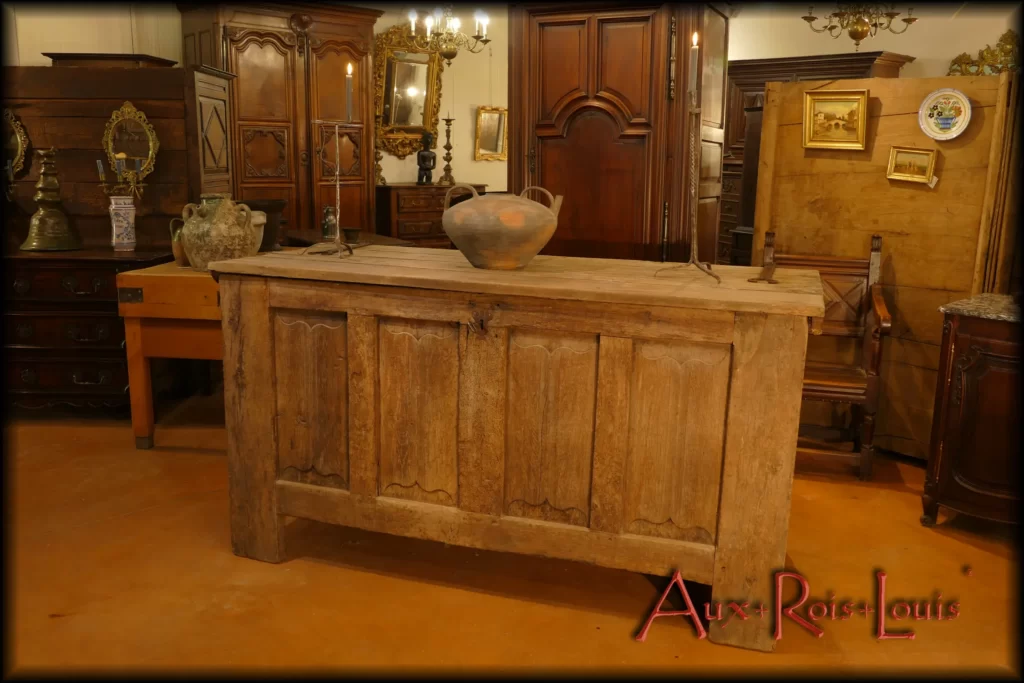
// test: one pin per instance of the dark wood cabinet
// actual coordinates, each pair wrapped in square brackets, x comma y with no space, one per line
[602,121]
[745,91]
[412,212]
[63,338]
[973,462]
[290,62]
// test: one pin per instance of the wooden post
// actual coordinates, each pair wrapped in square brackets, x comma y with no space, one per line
[140,384]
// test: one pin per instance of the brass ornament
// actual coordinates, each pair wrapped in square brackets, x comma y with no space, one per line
[21,139]
[120,119]
[48,229]
[398,141]
[991,60]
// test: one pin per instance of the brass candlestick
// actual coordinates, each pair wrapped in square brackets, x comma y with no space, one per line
[48,229]
[447,178]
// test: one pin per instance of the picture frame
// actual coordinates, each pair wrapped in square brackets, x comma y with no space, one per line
[491,134]
[827,119]
[911,164]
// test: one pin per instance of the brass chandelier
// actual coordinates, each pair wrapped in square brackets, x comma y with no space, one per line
[443,34]
[859,21]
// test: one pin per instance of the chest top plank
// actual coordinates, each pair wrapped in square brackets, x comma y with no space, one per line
[797,292]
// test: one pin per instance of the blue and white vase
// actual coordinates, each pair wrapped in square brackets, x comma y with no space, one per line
[122,222]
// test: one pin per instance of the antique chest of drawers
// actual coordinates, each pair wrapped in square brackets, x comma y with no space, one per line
[63,338]
[973,462]
[413,212]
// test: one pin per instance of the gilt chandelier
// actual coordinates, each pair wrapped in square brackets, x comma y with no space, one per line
[860,21]
[444,35]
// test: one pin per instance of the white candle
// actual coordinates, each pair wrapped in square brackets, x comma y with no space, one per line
[348,92]
[693,64]
[484,22]
[412,22]
[429,21]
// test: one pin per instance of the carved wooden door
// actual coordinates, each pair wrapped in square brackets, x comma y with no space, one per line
[269,102]
[593,99]
[714,42]
[328,65]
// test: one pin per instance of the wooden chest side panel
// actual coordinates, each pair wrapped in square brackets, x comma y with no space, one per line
[419,410]
[676,428]
[552,383]
[311,364]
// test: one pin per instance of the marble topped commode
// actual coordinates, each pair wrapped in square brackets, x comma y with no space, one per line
[990,306]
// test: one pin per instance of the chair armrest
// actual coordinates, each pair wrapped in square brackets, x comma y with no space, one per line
[880,310]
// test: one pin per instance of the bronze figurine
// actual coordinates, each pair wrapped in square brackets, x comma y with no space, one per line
[426,160]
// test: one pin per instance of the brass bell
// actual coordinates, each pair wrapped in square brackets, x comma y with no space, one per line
[48,230]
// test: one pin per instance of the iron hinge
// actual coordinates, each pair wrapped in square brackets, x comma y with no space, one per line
[129,295]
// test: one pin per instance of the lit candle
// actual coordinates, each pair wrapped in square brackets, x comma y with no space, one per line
[456,24]
[99,167]
[476,18]
[348,92]
[429,21]
[693,64]
[412,22]
[437,18]
[484,21]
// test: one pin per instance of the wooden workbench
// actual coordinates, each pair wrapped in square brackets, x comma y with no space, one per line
[623,413]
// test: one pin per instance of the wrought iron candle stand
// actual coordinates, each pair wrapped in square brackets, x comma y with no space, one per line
[339,246]
[447,178]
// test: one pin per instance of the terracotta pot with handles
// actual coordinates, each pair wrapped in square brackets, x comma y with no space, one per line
[500,231]
[217,230]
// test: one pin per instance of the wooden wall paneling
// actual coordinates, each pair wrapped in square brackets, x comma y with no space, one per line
[933,238]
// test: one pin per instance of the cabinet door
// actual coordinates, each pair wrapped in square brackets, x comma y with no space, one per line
[329,60]
[592,122]
[266,91]
[714,48]
[208,106]
[980,441]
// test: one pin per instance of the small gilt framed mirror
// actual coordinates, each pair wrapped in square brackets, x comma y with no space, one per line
[131,144]
[407,91]
[491,134]
[15,144]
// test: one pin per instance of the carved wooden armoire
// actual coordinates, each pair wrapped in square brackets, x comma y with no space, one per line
[290,62]
[745,95]
[602,119]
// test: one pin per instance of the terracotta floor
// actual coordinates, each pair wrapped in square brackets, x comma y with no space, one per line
[121,560]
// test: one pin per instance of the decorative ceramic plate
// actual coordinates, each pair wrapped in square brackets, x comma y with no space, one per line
[944,114]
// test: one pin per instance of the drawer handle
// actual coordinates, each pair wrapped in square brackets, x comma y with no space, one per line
[28,376]
[104,378]
[21,286]
[102,334]
[24,330]
[70,284]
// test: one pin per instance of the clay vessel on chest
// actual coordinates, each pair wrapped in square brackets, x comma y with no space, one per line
[502,231]
[218,229]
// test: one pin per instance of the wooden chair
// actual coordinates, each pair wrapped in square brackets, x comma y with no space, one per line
[854,307]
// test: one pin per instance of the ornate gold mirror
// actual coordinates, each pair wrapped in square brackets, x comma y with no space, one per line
[131,144]
[491,134]
[15,143]
[407,91]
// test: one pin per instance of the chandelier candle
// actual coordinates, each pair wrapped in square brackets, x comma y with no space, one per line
[348,93]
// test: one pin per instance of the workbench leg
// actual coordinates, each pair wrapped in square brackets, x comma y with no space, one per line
[250,413]
[757,475]
[140,384]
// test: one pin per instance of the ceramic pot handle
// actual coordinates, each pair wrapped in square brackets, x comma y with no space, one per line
[551,200]
[175,234]
[188,211]
[248,214]
[448,194]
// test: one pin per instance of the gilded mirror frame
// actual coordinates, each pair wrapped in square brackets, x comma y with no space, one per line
[401,142]
[18,162]
[484,156]
[128,112]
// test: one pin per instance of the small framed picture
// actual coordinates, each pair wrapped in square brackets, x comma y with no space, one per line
[911,164]
[835,119]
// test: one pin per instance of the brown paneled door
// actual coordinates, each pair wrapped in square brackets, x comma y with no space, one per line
[714,44]
[267,97]
[327,92]
[595,90]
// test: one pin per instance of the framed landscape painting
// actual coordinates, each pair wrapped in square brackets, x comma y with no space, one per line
[911,164]
[835,119]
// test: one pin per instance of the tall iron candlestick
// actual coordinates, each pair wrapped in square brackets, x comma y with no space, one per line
[447,178]
[694,173]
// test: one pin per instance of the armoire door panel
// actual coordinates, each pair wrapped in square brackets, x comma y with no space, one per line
[263,62]
[348,149]
[329,69]
[624,64]
[561,64]
[602,212]
[714,49]
[712,106]
[264,151]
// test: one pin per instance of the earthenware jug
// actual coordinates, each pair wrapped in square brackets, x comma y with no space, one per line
[501,231]
[216,230]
